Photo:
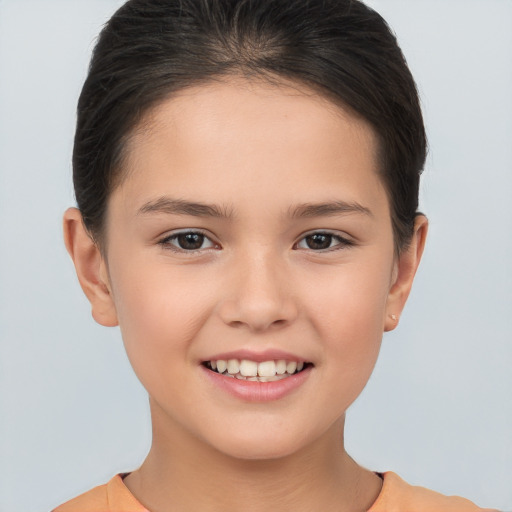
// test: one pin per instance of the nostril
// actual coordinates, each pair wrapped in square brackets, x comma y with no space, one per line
[258,309]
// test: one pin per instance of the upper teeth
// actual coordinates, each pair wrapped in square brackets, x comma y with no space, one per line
[247,368]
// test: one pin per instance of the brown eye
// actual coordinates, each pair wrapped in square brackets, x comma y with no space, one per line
[322,241]
[319,241]
[190,241]
[187,241]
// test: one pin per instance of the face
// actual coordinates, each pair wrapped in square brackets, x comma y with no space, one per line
[252,226]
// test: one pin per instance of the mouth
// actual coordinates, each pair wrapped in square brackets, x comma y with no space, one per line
[253,371]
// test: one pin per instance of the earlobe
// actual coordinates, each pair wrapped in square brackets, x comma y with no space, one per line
[90,268]
[404,272]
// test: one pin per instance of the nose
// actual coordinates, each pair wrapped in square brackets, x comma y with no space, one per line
[258,295]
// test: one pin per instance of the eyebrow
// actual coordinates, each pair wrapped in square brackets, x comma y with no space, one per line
[306,210]
[182,207]
[331,208]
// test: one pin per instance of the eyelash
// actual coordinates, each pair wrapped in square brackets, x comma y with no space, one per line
[343,242]
[166,242]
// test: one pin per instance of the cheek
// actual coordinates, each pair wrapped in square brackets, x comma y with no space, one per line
[160,312]
[348,312]
[349,302]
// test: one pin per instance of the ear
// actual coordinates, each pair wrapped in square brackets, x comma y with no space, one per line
[404,272]
[91,268]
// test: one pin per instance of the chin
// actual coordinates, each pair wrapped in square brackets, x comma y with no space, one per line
[266,445]
[258,452]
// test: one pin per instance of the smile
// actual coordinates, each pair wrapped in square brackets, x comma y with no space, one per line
[264,371]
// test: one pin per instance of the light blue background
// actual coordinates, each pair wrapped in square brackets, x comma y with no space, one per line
[438,409]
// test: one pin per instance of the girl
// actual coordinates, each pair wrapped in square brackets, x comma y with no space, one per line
[247,183]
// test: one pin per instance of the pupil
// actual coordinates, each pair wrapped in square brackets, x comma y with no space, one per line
[190,240]
[319,241]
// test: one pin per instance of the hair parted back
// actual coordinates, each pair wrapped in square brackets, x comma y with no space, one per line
[340,48]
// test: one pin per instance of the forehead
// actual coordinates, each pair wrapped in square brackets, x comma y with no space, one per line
[275,105]
[236,133]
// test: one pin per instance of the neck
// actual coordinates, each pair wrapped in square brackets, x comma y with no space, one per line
[181,472]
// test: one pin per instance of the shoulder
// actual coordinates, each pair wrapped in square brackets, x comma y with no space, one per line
[113,496]
[94,499]
[399,496]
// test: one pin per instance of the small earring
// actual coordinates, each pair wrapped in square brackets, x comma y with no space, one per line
[393,317]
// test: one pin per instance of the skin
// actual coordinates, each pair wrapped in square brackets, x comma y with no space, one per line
[258,152]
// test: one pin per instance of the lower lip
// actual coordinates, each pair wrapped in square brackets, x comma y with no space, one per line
[251,391]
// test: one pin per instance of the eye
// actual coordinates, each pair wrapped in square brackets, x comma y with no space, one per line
[322,241]
[187,241]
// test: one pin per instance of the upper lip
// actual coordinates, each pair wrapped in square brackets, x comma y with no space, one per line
[257,356]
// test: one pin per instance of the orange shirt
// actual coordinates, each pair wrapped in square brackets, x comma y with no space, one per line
[395,496]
